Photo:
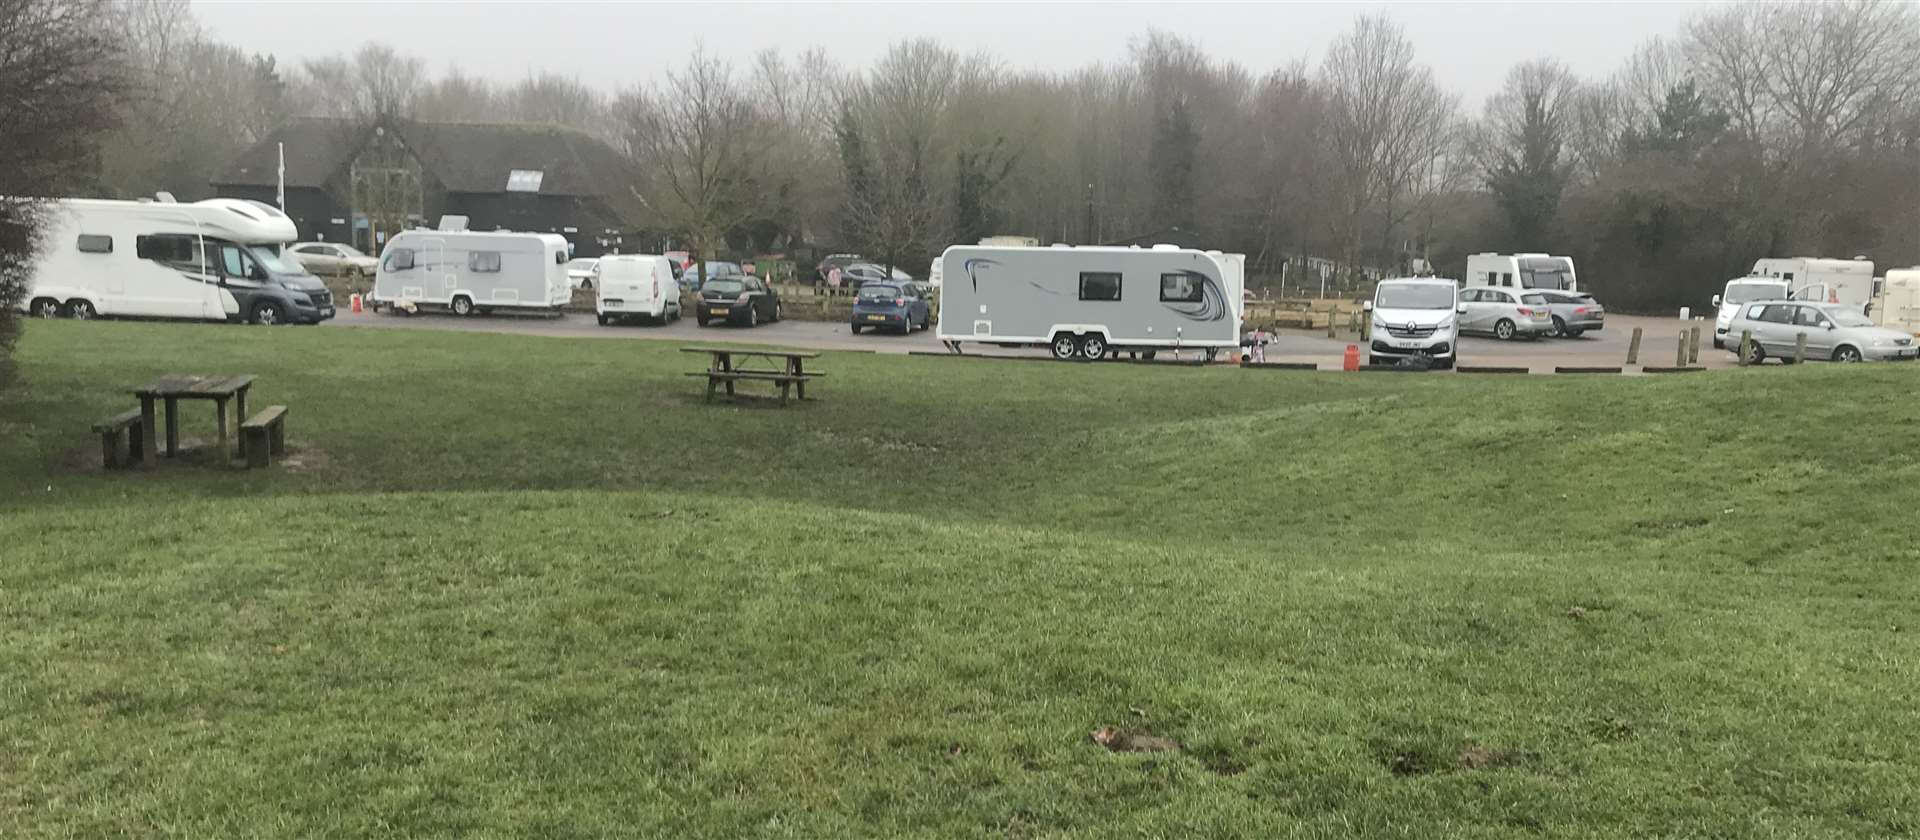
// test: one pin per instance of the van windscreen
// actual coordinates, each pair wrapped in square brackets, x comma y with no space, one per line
[1414,296]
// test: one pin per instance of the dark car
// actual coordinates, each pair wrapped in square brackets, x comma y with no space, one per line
[690,276]
[831,262]
[894,305]
[737,300]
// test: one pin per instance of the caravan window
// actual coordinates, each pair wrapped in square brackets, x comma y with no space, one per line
[399,259]
[1099,285]
[1180,287]
[93,243]
[484,262]
[1506,278]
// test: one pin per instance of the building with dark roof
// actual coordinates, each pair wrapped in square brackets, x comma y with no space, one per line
[355,181]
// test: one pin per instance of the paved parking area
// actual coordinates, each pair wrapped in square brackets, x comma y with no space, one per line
[1606,347]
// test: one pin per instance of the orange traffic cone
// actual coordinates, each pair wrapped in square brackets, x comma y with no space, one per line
[356,303]
[1352,362]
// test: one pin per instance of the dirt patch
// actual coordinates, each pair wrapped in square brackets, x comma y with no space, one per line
[1119,740]
[304,459]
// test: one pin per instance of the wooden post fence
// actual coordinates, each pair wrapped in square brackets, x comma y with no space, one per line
[1746,340]
[1693,346]
[1633,348]
[1680,351]
[1799,348]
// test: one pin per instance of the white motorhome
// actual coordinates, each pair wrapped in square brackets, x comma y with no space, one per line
[635,285]
[217,260]
[470,272]
[1521,271]
[1898,305]
[1085,301]
[1846,282]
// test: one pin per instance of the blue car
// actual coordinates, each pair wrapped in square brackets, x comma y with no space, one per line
[894,305]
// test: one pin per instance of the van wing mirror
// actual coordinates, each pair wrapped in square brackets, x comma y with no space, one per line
[1366,306]
[1459,309]
[1716,300]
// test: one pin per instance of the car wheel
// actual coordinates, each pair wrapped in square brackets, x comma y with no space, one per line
[856,328]
[1093,347]
[1064,347]
[603,319]
[753,316]
[1846,353]
[80,310]
[1503,330]
[1575,332]
[1718,344]
[776,310]
[1559,328]
[1755,353]
[267,314]
[45,308]
[700,319]
[462,305]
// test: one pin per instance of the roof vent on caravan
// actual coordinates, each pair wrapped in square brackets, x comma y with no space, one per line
[452,224]
[1162,246]
[1061,245]
[164,197]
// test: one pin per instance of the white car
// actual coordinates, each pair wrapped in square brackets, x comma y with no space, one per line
[333,258]
[580,272]
[1504,313]
[1414,316]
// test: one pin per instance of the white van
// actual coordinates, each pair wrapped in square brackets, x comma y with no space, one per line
[1741,290]
[219,260]
[1522,271]
[1414,316]
[635,285]
[468,272]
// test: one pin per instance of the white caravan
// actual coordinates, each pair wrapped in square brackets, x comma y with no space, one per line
[469,272]
[635,285]
[1521,271]
[1085,301]
[1898,304]
[215,260]
[1845,282]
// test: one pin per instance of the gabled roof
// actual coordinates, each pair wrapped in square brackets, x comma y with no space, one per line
[464,157]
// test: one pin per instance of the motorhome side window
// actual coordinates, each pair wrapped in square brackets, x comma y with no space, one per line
[484,262]
[1180,288]
[1099,285]
[171,248]
[399,259]
[93,243]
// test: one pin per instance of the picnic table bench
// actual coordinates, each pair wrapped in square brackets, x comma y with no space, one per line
[784,368]
[170,390]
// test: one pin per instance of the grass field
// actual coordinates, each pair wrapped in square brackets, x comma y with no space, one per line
[514,587]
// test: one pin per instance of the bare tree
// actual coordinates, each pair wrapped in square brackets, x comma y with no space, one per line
[458,97]
[61,77]
[553,99]
[1521,147]
[697,141]
[895,211]
[1834,63]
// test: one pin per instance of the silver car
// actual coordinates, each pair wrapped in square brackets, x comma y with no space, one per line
[1574,313]
[1834,332]
[333,258]
[1504,313]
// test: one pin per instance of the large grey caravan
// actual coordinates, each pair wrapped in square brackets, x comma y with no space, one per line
[1086,301]
[469,272]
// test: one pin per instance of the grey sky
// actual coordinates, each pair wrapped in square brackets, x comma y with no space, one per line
[613,44]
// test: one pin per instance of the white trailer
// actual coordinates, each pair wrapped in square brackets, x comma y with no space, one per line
[1898,304]
[470,272]
[216,260]
[1086,301]
[1522,271]
[1846,282]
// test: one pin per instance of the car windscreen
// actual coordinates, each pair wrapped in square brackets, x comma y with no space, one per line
[725,285]
[1848,318]
[1414,296]
[876,291]
[276,262]
[1743,292]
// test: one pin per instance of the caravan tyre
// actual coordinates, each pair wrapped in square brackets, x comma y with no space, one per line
[1093,347]
[80,310]
[1064,347]
[266,314]
[46,308]
[462,305]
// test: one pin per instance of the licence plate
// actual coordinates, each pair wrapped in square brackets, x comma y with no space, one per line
[876,317]
[326,312]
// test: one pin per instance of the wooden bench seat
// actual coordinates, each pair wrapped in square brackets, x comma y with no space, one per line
[773,375]
[125,424]
[264,435]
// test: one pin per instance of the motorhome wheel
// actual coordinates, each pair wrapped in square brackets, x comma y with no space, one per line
[266,314]
[1503,330]
[1064,347]
[80,310]
[46,308]
[462,305]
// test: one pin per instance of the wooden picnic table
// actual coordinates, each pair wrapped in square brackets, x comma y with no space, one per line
[171,389]
[785,368]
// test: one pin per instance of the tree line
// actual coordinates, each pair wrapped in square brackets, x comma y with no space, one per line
[1756,130]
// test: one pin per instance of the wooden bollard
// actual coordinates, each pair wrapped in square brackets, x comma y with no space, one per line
[1746,340]
[1799,348]
[1693,346]
[1680,351]
[1633,348]
[1332,313]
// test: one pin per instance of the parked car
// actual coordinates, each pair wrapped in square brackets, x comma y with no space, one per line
[1504,313]
[737,299]
[831,262]
[900,306]
[334,258]
[580,272]
[1574,313]
[860,274]
[690,276]
[1835,331]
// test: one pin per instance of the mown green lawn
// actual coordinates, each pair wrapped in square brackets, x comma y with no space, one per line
[525,587]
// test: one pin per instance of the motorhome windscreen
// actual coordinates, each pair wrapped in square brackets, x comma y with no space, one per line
[1422,296]
[1545,273]
[1743,292]
[276,262]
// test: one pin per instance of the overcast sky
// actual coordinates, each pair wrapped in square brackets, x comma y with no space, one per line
[613,44]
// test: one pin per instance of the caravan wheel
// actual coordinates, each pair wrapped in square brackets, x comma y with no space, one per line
[46,308]
[1094,347]
[1064,347]
[80,310]
[462,305]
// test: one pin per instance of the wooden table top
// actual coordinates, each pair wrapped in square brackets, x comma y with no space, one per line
[182,385]
[780,354]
